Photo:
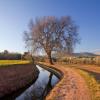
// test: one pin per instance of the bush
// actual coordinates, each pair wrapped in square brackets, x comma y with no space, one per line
[10,56]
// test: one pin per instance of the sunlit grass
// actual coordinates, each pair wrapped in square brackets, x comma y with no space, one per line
[12,62]
[94,86]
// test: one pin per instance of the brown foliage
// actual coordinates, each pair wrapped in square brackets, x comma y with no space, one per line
[52,34]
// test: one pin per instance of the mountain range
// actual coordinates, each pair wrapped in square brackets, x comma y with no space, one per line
[86,54]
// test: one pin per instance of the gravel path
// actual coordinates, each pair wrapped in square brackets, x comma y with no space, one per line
[71,87]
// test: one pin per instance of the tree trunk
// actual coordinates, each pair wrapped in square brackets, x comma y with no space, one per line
[50,59]
[32,59]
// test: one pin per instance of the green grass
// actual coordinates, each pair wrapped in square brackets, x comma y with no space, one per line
[93,85]
[12,62]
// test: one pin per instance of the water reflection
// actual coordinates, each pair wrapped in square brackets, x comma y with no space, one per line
[41,87]
[48,87]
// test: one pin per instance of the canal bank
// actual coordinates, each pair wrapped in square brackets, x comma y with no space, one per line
[71,86]
[38,89]
[42,86]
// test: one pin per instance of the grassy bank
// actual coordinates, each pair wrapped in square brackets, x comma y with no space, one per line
[94,86]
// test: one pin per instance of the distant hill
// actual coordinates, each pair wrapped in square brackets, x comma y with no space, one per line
[81,54]
[97,53]
[84,54]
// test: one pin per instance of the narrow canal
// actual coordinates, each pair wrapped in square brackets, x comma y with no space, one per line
[41,87]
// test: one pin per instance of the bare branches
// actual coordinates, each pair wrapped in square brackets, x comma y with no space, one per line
[51,33]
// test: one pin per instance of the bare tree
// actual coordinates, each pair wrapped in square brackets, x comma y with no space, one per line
[52,34]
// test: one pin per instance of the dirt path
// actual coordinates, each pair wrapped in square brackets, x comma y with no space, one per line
[71,87]
[75,87]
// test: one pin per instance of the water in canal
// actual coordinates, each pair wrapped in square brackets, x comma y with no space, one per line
[38,90]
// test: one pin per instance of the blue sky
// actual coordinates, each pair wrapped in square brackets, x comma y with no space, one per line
[15,16]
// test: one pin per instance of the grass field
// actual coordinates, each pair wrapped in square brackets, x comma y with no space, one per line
[12,62]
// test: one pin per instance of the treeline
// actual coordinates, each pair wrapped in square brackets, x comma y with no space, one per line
[10,56]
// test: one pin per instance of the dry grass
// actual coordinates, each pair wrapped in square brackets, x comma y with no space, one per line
[93,85]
